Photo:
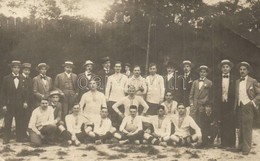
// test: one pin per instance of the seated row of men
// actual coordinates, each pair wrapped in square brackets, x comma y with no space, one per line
[45,125]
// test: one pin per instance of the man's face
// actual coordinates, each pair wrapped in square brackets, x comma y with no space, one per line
[137,71]
[15,69]
[107,65]
[181,110]
[118,68]
[208,109]
[243,71]
[131,90]
[76,109]
[93,85]
[68,69]
[43,70]
[225,69]
[104,113]
[186,68]
[170,70]
[44,104]
[161,112]
[89,67]
[168,96]
[203,73]
[26,71]
[133,112]
[127,68]
[55,99]
[152,70]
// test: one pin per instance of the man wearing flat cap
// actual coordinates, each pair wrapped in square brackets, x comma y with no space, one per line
[104,73]
[200,94]
[187,78]
[86,77]
[67,83]
[42,84]
[247,102]
[224,99]
[14,103]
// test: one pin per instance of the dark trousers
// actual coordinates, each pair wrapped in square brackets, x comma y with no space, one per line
[209,134]
[14,111]
[48,131]
[153,109]
[27,116]
[114,117]
[68,102]
[138,136]
[66,135]
[245,116]
[227,125]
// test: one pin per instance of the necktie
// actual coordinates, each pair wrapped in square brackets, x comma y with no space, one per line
[225,76]
[15,77]
[43,77]
[242,79]
[201,80]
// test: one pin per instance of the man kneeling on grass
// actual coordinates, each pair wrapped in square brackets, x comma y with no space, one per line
[160,131]
[101,129]
[183,125]
[42,126]
[76,131]
[131,128]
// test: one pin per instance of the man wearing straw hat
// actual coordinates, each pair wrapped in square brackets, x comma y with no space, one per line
[13,102]
[42,84]
[67,83]
[200,94]
[247,101]
[224,99]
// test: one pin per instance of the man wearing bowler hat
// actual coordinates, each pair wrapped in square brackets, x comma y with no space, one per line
[67,83]
[84,78]
[247,100]
[42,84]
[14,103]
[200,94]
[224,99]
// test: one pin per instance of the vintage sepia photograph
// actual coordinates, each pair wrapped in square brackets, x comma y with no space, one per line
[129,80]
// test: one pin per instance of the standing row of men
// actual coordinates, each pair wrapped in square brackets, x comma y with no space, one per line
[19,90]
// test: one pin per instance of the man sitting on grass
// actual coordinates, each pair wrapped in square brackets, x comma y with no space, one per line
[183,123]
[131,128]
[160,131]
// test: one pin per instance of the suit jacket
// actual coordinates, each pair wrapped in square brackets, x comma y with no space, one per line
[198,96]
[28,89]
[173,85]
[252,89]
[103,78]
[83,83]
[10,95]
[217,95]
[39,88]
[59,81]
[57,111]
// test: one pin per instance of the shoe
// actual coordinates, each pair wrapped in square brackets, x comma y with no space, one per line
[123,142]
[163,144]
[137,142]
[98,142]
[77,143]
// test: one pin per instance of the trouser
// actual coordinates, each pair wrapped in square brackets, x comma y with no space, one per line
[184,140]
[48,131]
[154,139]
[28,113]
[15,111]
[153,109]
[138,136]
[197,114]
[68,103]
[209,134]
[66,135]
[245,116]
[114,117]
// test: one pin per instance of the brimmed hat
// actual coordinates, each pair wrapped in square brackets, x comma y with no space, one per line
[246,64]
[88,62]
[39,66]
[26,65]
[105,59]
[68,63]
[187,62]
[171,64]
[15,63]
[204,67]
[228,62]
[54,92]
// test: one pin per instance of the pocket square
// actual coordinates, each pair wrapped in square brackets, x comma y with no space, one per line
[251,87]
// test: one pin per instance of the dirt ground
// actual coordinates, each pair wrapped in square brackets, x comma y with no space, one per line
[23,152]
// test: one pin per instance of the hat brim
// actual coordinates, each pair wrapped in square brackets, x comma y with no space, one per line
[72,65]
[88,64]
[228,63]
[247,66]
[207,69]
[191,65]
[15,64]
[38,67]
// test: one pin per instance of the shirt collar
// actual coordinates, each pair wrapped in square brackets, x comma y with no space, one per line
[24,75]
[15,74]
[225,74]
[68,74]
[187,73]
[87,72]
[202,78]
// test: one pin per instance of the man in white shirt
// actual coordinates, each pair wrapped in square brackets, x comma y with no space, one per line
[115,91]
[129,100]
[247,101]
[101,129]
[183,123]
[131,128]
[92,101]
[159,133]
[42,126]
[138,82]
[155,89]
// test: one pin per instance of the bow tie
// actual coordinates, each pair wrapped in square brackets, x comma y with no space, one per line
[15,77]
[43,77]
[89,74]
[242,79]
[201,80]
[225,76]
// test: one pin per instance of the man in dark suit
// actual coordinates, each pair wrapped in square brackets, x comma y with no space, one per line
[42,84]
[186,80]
[67,83]
[105,73]
[28,93]
[14,103]
[224,99]
[84,78]
[200,94]
[172,82]
[247,101]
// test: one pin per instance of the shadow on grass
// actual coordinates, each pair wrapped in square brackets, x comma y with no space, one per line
[14,159]
[6,149]
[193,155]
[26,152]
[146,149]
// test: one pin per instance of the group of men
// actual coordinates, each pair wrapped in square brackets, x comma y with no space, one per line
[176,108]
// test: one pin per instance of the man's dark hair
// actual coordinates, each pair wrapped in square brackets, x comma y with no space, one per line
[152,64]
[133,107]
